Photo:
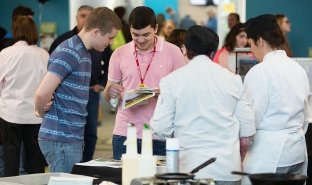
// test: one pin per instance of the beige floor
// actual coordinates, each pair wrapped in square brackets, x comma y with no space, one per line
[104,143]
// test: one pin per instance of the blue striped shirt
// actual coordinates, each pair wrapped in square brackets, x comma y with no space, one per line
[66,119]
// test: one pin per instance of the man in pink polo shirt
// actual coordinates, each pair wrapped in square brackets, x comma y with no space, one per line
[145,60]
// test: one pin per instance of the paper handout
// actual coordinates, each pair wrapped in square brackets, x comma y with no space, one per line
[137,97]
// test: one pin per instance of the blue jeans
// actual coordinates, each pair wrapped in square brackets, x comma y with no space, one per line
[60,156]
[159,147]
[90,132]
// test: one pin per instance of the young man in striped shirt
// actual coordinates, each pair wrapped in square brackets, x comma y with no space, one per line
[67,84]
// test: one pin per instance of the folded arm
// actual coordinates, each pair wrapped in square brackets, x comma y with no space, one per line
[44,93]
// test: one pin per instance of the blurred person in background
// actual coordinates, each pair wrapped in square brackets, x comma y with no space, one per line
[177,37]
[212,22]
[174,16]
[233,19]
[187,22]
[167,27]
[121,11]
[236,38]
[123,35]
[22,67]
[160,19]
[284,24]
[4,43]
[99,72]
[82,13]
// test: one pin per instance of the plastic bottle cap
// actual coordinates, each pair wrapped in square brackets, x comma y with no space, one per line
[172,144]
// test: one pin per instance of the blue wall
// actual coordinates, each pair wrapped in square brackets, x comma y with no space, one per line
[298,12]
[52,11]
[58,11]
[160,6]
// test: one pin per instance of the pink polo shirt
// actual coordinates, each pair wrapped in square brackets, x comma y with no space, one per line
[123,68]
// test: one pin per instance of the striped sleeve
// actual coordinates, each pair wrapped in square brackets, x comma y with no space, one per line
[63,61]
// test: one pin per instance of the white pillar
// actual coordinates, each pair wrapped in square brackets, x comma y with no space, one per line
[75,4]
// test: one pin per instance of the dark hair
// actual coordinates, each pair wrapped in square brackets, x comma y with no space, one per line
[120,11]
[104,19]
[177,37]
[141,17]
[200,40]
[22,11]
[169,9]
[266,27]
[24,28]
[285,46]
[3,32]
[160,19]
[236,15]
[230,38]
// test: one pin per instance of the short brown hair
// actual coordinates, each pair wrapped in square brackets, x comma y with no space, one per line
[85,7]
[24,28]
[104,19]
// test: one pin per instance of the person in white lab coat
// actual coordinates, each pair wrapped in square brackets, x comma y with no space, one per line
[277,88]
[204,106]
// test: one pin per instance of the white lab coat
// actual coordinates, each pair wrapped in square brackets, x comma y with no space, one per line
[204,105]
[277,89]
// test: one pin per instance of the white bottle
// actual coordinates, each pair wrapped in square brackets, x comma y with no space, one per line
[147,162]
[172,155]
[130,158]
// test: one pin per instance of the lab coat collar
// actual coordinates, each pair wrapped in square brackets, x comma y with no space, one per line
[274,54]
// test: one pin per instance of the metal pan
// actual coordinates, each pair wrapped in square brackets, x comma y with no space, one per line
[175,176]
[274,178]
[184,176]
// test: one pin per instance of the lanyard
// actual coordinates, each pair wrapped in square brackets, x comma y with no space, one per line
[138,64]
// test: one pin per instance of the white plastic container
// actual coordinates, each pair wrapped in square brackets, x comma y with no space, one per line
[129,168]
[147,162]
[172,155]
[147,142]
[131,158]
